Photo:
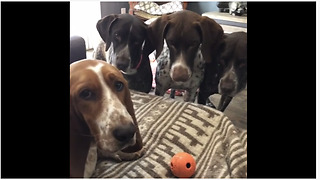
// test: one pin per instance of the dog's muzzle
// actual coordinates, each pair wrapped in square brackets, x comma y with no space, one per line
[132,70]
[180,73]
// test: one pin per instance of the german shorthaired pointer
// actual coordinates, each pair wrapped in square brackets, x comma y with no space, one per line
[126,40]
[233,72]
[184,41]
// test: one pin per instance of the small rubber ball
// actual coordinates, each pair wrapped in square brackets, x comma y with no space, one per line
[183,165]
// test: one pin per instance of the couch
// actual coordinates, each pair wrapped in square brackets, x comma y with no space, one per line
[77,49]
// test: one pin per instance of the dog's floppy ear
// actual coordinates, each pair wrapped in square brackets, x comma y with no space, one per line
[148,46]
[79,142]
[129,105]
[103,27]
[212,39]
[156,32]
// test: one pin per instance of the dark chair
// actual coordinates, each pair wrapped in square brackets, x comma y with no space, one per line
[77,49]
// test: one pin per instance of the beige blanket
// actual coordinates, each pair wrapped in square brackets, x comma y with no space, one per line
[168,127]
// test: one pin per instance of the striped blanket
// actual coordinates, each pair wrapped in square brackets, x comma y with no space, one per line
[168,127]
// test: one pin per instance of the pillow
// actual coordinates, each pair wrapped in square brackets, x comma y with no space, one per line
[155,9]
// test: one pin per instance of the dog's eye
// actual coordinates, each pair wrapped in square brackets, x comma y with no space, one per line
[118,85]
[172,44]
[241,63]
[194,44]
[117,36]
[86,94]
[136,43]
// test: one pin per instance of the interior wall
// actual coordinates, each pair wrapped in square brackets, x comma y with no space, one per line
[202,7]
[83,18]
[108,8]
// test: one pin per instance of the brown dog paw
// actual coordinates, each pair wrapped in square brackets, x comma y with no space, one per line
[131,156]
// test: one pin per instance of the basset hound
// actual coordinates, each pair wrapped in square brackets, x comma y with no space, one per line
[102,118]
[184,41]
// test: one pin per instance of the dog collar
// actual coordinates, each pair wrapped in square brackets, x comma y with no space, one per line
[138,65]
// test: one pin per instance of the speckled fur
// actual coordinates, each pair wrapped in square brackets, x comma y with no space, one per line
[164,81]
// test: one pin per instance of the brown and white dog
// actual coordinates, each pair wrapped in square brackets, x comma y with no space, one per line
[232,74]
[184,41]
[102,119]
[234,64]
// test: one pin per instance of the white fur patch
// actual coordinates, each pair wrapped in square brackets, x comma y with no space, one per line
[182,63]
[92,158]
[163,75]
[109,103]
[230,74]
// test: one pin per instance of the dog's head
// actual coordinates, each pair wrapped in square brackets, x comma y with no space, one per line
[234,64]
[186,32]
[126,36]
[100,101]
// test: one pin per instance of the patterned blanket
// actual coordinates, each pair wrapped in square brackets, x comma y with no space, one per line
[155,9]
[167,127]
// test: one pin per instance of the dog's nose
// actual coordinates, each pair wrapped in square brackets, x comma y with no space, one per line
[180,74]
[122,64]
[227,86]
[125,133]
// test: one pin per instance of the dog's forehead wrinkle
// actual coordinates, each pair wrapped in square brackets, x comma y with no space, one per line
[108,94]
[96,68]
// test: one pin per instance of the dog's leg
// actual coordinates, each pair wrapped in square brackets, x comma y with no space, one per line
[91,162]
[190,95]
[160,91]
[161,87]
[172,93]
[203,96]
[210,104]
[224,102]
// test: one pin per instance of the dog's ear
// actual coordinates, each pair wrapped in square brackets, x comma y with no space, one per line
[156,32]
[79,144]
[148,46]
[129,105]
[103,27]
[212,39]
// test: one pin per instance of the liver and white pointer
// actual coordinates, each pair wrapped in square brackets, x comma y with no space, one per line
[233,71]
[184,41]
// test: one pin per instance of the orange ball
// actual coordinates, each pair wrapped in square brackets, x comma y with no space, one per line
[183,165]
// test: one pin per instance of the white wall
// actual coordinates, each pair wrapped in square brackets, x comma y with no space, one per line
[83,18]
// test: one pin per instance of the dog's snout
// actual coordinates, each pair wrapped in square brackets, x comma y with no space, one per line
[125,133]
[227,86]
[122,64]
[180,73]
